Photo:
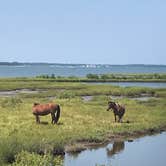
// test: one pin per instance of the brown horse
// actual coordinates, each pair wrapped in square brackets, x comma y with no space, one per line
[45,109]
[118,110]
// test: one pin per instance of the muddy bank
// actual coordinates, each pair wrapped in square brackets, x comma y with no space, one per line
[151,150]
[82,145]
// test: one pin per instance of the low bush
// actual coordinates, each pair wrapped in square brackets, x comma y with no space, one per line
[31,159]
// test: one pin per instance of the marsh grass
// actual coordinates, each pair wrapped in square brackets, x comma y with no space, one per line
[49,88]
[79,122]
[26,159]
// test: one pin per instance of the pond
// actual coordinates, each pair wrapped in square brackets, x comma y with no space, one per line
[139,84]
[140,98]
[148,150]
[13,93]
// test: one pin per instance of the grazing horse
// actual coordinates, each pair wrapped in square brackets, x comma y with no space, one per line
[118,110]
[45,109]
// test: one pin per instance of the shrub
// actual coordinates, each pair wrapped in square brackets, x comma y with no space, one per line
[92,76]
[104,76]
[31,159]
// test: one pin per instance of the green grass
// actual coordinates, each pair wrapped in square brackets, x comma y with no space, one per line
[26,159]
[49,87]
[79,122]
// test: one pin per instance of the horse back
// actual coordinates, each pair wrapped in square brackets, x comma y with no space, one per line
[43,109]
[120,109]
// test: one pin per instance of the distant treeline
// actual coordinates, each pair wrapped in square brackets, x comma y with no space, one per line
[109,77]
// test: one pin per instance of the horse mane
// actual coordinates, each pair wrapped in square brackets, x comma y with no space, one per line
[112,102]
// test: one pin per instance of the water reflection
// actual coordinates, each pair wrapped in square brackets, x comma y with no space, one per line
[117,147]
[136,84]
[149,150]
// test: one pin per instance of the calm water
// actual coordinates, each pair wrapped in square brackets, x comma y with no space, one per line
[146,151]
[75,70]
[140,84]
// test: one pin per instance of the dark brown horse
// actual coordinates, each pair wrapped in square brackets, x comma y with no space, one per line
[118,110]
[45,109]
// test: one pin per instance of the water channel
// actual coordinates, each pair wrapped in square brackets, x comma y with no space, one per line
[145,151]
[138,84]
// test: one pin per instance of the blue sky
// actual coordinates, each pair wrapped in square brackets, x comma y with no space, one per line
[83,31]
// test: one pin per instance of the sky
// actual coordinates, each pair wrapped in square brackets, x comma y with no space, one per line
[83,31]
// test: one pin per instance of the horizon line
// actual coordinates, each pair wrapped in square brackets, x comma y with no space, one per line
[63,63]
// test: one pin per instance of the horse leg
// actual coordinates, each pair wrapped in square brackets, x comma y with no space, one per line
[115,117]
[53,118]
[37,119]
[120,119]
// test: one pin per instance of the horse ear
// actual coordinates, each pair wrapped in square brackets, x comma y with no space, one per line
[34,104]
[111,102]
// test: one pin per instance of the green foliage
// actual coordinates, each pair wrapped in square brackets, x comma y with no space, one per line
[9,148]
[114,77]
[43,76]
[104,76]
[66,95]
[92,76]
[31,159]
[11,102]
[128,77]
[21,139]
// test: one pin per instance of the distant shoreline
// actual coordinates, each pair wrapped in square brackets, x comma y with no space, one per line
[75,64]
[16,69]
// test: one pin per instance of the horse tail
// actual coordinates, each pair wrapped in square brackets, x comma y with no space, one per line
[57,113]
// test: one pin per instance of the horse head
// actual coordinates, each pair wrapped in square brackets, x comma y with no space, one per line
[111,104]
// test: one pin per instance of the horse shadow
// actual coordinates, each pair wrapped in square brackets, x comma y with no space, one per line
[59,123]
[127,121]
[46,123]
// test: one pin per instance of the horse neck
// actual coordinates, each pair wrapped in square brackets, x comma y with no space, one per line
[115,109]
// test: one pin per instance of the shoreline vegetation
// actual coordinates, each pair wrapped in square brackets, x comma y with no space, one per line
[155,77]
[82,123]
[150,77]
